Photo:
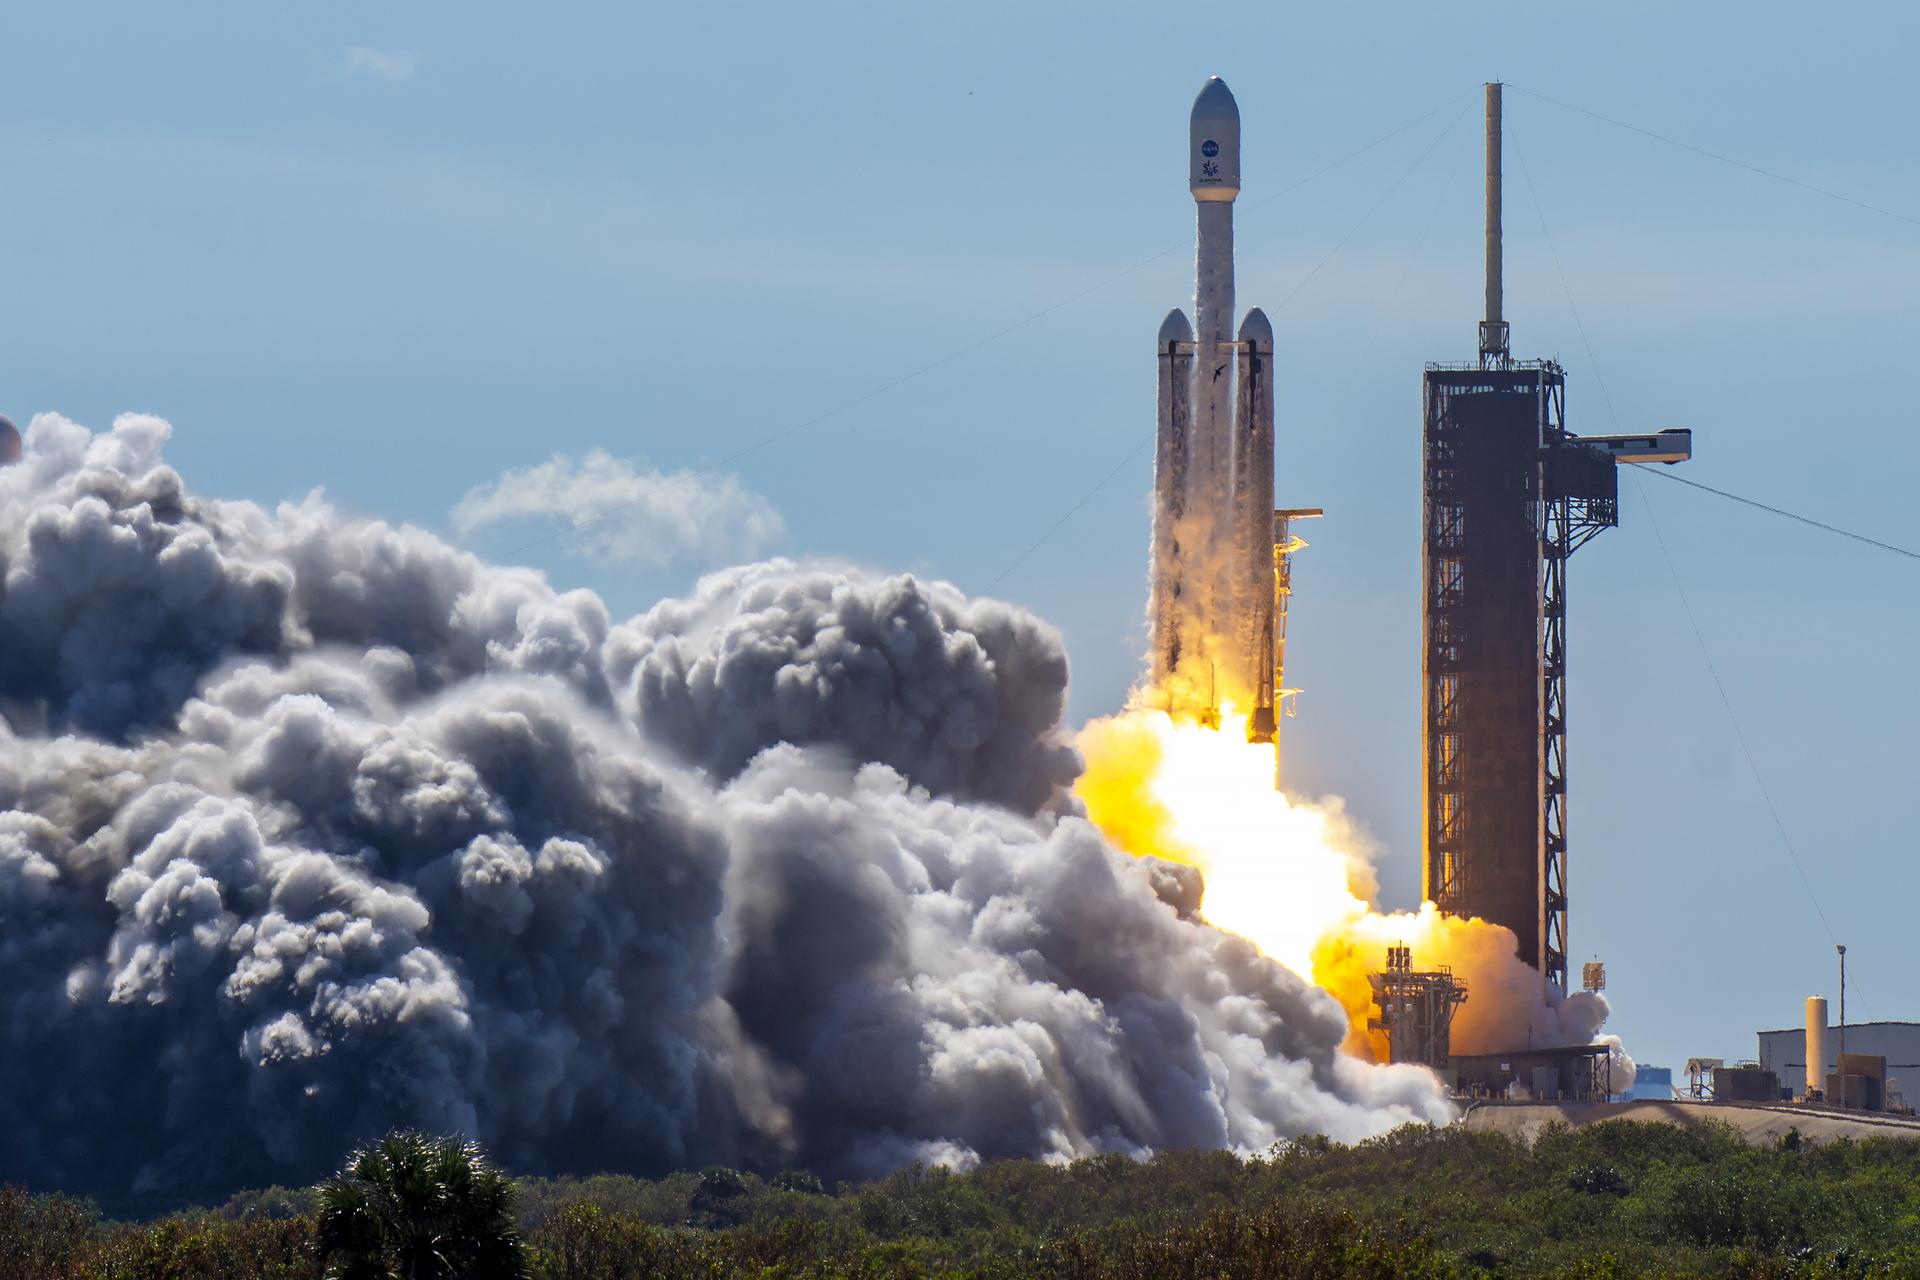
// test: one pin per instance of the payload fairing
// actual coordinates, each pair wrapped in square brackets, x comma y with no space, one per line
[1215,553]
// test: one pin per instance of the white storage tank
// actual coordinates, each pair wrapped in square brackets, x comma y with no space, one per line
[1816,1054]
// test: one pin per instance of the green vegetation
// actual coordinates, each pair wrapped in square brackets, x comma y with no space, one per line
[1614,1200]
[420,1208]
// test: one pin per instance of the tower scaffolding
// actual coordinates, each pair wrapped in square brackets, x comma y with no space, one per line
[1415,1009]
[1509,494]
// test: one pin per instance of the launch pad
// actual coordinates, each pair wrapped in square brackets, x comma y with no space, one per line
[1508,493]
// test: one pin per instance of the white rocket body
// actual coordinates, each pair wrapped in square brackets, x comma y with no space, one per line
[1172,454]
[1213,590]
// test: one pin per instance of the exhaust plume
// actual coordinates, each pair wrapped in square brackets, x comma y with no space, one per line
[312,826]
[1296,878]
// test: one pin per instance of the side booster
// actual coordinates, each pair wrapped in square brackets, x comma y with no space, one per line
[1214,579]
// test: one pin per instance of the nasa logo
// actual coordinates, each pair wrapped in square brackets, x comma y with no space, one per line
[1209,148]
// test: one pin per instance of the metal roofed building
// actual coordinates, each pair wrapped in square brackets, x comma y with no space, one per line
[1654,1084]
[1785,1051]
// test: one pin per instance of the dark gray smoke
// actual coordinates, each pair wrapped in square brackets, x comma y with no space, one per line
[311,826]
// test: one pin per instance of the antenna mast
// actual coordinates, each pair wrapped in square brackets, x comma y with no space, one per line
[1493,330]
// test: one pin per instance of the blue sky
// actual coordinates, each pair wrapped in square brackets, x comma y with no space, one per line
[394,251]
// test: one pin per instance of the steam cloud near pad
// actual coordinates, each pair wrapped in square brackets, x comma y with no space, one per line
[313,826]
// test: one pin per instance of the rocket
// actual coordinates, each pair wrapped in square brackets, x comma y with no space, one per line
[1213,594]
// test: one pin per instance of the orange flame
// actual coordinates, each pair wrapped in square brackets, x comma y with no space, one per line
[1291,876]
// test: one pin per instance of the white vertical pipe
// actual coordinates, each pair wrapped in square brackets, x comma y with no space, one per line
[1816,1044]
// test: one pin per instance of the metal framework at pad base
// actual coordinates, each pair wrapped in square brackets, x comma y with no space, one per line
[1573,1073]
[1415,1010]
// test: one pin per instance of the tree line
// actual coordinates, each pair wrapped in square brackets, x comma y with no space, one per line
[1610,1200]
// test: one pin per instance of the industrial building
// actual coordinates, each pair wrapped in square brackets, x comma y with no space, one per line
[1654,1084]
[1784,1052]
[1510,494]
[1745,1082]
[1576,1073]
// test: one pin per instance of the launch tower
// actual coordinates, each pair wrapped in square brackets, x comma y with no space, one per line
[1510,494]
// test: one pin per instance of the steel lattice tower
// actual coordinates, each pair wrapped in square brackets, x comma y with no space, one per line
[1509,495]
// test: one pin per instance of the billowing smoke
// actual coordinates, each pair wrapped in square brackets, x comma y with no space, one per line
[312,826]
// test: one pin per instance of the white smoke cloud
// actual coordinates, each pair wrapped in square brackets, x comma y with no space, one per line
[312,826]
[621,512]
[392,65]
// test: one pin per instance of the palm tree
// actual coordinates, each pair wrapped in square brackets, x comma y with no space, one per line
[412,1207]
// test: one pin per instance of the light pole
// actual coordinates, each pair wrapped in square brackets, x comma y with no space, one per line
[1840,1061]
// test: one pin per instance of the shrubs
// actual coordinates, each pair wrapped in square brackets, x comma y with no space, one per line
[43,1235]
[1610,1200]
[1269,1245]
[719,1200]
[54,1238]
[1598,1180]
[203,1246]
[584,1241]
[798,1180]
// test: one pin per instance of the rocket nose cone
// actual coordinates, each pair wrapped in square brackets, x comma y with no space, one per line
[1215,100]
[1175,328]
[1214,142]
[1257,328]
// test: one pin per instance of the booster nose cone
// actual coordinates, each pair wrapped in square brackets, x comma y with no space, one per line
[1257,328]
[9,442]
[1175,329]
[1214,143]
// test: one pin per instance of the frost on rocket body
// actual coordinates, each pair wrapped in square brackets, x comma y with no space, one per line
[312,826]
